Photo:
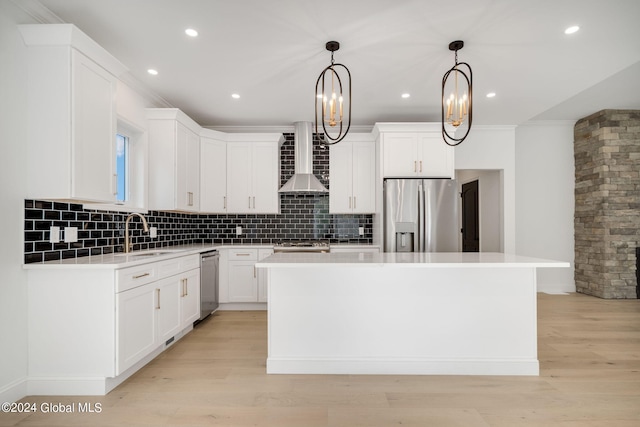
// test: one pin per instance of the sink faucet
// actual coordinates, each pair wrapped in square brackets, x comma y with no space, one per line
[127,239]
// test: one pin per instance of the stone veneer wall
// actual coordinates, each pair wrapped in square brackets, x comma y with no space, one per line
[607,197]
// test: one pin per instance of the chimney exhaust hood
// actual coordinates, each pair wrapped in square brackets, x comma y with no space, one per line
[303,180]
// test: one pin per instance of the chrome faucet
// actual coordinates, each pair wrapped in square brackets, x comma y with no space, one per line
[127,239]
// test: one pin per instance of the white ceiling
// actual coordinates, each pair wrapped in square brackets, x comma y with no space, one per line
[272,51]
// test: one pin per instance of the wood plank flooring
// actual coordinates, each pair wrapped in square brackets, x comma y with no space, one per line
[589,351]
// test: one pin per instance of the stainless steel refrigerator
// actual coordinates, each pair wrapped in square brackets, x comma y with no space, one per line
[421,215]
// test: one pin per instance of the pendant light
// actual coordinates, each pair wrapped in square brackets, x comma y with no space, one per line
[457,87]
[331,99]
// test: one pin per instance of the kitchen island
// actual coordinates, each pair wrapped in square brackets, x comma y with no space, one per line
[403,313]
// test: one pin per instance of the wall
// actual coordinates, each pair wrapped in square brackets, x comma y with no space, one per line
[13,284]
[493,148]
[544,199]
[490,206]
[607,203]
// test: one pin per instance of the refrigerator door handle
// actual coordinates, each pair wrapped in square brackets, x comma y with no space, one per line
[419,242]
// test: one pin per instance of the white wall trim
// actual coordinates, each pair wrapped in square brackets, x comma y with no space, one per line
[14,391]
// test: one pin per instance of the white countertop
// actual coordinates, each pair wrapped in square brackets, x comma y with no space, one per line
[423,260]
[122,260]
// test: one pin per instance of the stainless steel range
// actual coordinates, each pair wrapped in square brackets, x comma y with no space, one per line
[305,246]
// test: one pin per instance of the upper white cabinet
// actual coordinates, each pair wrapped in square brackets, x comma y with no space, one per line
[213,172]
[253,173]
[352,176]
[414,150]
[71,115]
[174,160]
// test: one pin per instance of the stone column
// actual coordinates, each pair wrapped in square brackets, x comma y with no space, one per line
[607,197]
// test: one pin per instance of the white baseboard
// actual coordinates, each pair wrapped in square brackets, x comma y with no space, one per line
[556,288]
[242,306]
[529,367]
[14,391]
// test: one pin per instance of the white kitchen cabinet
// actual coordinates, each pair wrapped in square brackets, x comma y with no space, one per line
[71,110]
[93,327]
[242,275]
[189,297]
[165,302]
[352,177]
[174,161]
[253,173]
[262,276]
[414,151]
[242,285]
[213,173]
[137,325]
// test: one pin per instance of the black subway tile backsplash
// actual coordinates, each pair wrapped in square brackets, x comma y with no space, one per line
[301,216]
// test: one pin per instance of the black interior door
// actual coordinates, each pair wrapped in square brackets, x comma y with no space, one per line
[470,218]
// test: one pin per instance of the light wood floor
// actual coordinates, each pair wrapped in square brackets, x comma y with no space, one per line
[589,350]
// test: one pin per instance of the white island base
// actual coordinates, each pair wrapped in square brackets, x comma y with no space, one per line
[454,313]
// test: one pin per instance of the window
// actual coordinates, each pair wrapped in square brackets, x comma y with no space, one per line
[122,168]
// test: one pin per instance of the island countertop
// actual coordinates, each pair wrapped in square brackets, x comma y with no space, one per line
[419,260]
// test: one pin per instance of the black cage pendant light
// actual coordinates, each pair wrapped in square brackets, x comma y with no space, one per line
[331,99]
[457,107]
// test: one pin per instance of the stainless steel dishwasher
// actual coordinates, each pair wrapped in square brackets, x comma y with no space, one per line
[209,263]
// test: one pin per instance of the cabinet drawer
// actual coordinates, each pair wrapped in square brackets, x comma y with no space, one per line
[132,277]
[243,254]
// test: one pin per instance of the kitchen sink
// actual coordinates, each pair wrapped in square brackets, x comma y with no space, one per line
[149,253]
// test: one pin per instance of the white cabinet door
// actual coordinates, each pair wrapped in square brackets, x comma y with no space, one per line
[174,161]
[168,307]
[136,332]
[213,175]
[400,151]
[187,169]
[363,176]
[340,178]
[190,297]
[262,276]
[352,174]
[416,154]
[242,281]
[435,157]
[71,117]
[93,130]
[265,178]
[253,175]
[239,177]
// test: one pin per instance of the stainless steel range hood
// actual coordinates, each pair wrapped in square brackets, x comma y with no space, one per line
[303,180]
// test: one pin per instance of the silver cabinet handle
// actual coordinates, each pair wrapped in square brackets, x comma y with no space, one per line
[415,166]
[420,165]
[354,202]
[140,275]
[254,202]
[243,254]
[224,202]
[349,202]
[158,297]
[249,202]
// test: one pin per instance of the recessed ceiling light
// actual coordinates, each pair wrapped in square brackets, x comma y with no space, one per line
[191,32]
[406,95]
[235,96]
[152,72]
[572,29]
[491,95]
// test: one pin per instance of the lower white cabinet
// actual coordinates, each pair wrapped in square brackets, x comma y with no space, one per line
[240,280]
[262,275]
[90,328]
[151,314]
